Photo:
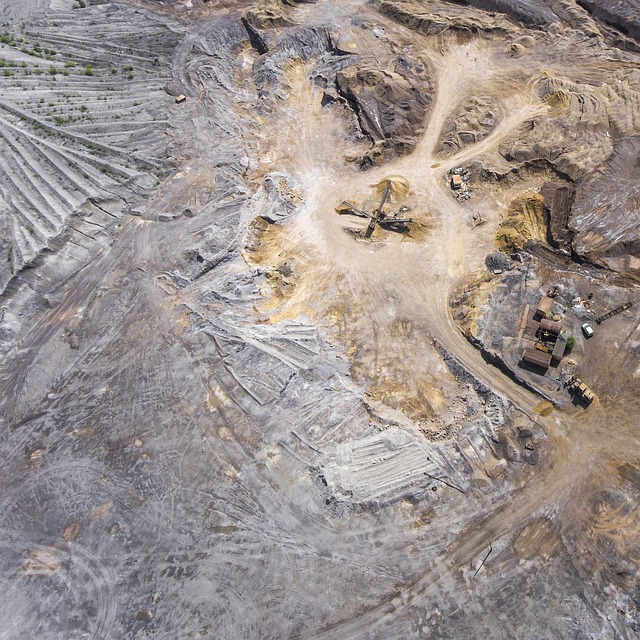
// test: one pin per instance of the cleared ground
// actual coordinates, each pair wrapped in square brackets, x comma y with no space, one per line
[214,426]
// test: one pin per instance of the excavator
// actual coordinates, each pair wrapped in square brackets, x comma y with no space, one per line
[377,216]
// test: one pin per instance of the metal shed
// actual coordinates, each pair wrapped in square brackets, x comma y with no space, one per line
[544,306]
[559,348]
[552,327]
[539,358]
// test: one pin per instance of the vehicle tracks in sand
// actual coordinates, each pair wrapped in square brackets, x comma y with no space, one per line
[79,291]
[369,271]
[375,279]
[84,580]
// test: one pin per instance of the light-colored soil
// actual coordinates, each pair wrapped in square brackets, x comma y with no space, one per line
[213,426]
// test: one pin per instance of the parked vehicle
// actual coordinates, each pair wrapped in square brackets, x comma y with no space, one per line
[581,390]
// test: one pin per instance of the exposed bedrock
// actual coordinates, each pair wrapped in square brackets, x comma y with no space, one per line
[391,107]
[579,132]
[624,15]
[620,14]
[314,44]
[558,200]
[532,13]
[474,121]
[617,22]
[597,219]
[605,217]
[575,15]
[267,14]
[431,19]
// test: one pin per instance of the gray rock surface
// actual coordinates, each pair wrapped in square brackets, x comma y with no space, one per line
[558,201]
[624,15]
[391,106]
[605,218]
[223,414]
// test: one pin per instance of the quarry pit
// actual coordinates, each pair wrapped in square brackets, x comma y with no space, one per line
[227,411]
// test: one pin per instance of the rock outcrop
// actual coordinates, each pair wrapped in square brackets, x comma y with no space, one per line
[532,13]
[576,16]
[268,14]
[475,121]
[606,215]
[624,15]
[431,18]
[583,122]
[391,107]
[558,200]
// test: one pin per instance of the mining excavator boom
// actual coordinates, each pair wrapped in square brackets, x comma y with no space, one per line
[355,210]
[377,217]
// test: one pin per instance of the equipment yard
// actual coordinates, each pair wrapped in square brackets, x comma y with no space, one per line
[320,319]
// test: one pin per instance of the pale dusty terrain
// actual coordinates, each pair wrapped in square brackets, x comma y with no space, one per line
[227,415]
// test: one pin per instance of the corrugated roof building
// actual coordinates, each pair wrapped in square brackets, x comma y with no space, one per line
[544,307]
[558,349]
[552,327]
[539,358]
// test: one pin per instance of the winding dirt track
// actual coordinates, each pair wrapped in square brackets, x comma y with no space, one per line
[445,258]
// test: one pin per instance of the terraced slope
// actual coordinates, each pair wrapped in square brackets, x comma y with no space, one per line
[229,415]
[82,116]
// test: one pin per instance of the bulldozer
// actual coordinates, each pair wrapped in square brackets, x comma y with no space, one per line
[581,390]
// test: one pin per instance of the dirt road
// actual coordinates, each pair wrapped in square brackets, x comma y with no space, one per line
[418,279]
[172,464]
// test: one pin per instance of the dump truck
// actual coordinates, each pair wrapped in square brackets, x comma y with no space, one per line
[581,390]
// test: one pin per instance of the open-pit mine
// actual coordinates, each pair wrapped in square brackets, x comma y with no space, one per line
[320,320]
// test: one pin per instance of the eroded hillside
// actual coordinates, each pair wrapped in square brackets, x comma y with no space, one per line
[294,299]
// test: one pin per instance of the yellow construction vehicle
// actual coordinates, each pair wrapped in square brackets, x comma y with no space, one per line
[581,390]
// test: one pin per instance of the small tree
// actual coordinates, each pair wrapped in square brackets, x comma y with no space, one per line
[571,341]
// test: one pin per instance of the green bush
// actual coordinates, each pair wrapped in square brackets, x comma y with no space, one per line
[571,342]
